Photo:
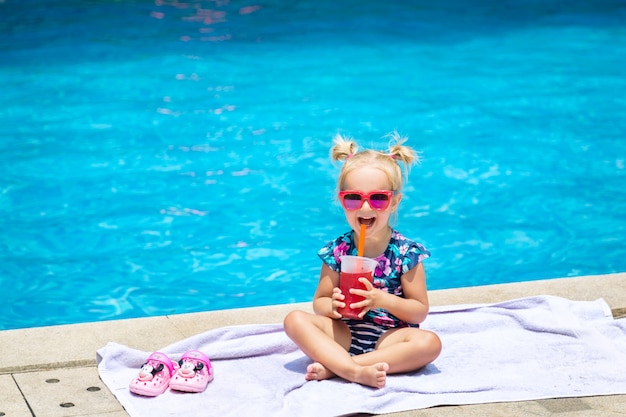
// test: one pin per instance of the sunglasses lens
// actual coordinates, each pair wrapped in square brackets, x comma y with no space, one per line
[379,201]
[352,201]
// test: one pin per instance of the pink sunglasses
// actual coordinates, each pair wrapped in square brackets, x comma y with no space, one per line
[353,200]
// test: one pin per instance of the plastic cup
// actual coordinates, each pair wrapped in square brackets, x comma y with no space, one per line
[353,268]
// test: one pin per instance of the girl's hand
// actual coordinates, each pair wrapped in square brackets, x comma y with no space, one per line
[337,302]
[370,295]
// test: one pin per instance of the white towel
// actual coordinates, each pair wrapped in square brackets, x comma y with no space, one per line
[524,349]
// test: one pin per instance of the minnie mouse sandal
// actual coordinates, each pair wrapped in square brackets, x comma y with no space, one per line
[194,374]
[154,376]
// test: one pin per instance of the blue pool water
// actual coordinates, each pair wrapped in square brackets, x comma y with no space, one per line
[169,157]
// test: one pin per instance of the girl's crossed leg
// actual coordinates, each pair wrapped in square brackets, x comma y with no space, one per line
[327,342]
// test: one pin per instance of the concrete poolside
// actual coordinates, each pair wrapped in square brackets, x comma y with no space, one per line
[51,371]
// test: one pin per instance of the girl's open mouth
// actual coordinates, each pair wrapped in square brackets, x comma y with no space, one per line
[368,221]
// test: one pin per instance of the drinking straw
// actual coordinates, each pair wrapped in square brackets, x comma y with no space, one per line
[361,246]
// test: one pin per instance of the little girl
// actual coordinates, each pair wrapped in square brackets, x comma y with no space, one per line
[387,338]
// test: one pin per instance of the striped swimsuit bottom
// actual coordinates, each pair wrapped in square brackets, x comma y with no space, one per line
[364,336]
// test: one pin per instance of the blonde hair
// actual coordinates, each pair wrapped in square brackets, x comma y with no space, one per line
[347,150]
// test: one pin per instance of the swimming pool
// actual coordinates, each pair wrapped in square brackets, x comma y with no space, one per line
[170,157]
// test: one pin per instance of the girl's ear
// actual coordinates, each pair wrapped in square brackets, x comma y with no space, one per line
[395,201]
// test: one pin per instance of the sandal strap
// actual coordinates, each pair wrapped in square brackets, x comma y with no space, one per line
[162,358]
[198,356]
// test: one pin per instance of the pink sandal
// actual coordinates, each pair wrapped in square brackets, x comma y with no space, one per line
[154,376]
[194,374]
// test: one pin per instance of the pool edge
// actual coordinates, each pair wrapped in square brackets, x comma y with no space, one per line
[75,345]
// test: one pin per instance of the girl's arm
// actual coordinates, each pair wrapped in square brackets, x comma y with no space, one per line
[327,295]
[411,309]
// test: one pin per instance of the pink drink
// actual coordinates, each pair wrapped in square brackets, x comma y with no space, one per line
[347,281]
[353,268]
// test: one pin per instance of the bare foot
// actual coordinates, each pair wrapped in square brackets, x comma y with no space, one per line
[318,372]
[373,375]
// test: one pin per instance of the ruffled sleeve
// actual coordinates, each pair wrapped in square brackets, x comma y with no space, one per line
[332,251]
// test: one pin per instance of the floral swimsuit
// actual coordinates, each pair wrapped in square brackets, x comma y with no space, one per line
[401,255]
